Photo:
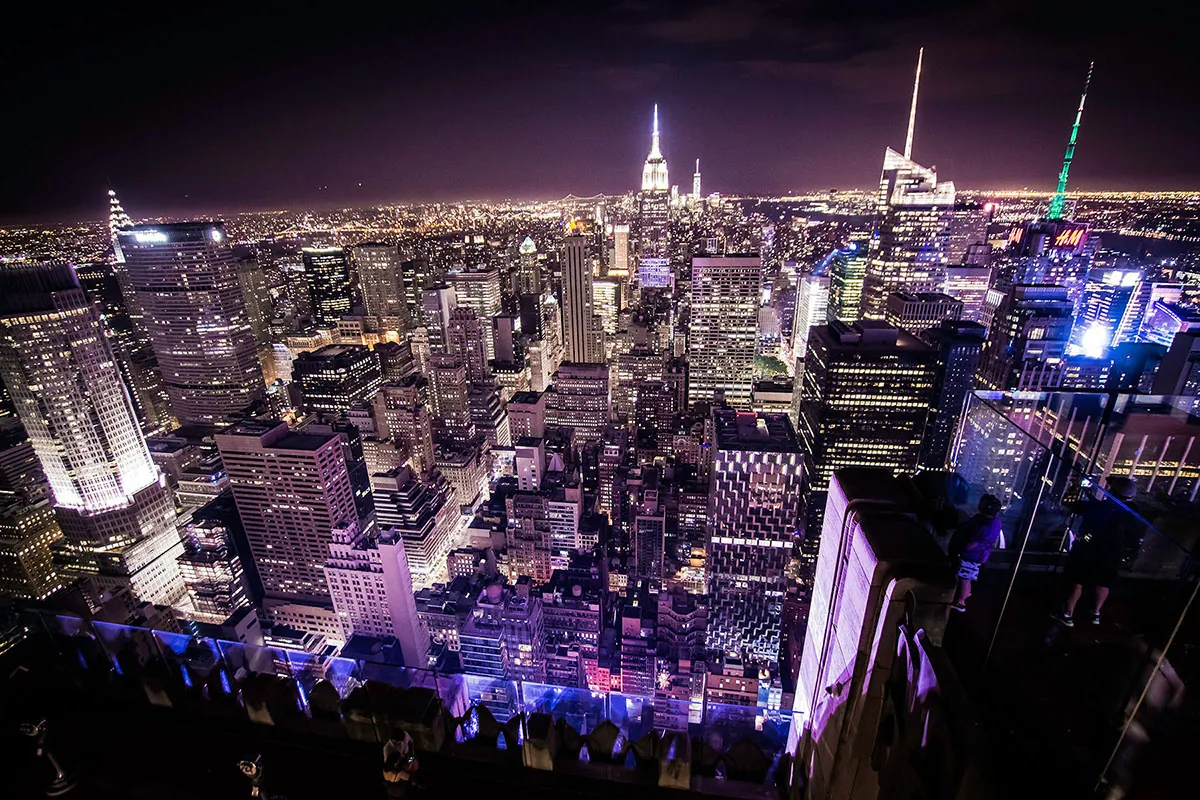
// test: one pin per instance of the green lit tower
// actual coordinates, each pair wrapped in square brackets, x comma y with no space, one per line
[1060,194]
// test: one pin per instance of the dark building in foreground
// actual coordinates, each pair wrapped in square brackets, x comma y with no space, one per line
[866,399]
[327,273]
[336,376]
[958,345]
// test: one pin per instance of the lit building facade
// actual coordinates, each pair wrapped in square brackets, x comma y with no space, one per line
[115,511]
[479,290]
[382,280]
[505,636]
[968,284]
[754,507]
[292,490]
[866,398]
[654,211]
[723,330]
[1027,342]
[215,577]
[919,312]
[421,511]
[186,283]
[335,377]
[579,400]
[372,591]
[911,246]
[330,285]
[581,340]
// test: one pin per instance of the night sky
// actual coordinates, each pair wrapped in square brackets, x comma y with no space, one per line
[192,107]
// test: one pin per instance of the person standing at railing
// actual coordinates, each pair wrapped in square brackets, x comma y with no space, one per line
[972,544]
[1104,535]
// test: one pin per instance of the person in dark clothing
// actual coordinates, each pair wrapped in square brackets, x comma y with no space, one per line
[1095,557]
[972,544]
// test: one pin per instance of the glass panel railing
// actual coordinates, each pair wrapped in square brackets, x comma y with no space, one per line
[1094,572]
[582,709]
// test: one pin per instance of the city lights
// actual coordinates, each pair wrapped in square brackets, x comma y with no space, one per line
[743,487]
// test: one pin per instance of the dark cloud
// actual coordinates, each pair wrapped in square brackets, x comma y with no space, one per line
[226,105]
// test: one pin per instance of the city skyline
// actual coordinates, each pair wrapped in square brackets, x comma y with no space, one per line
[693,475]
[809,107]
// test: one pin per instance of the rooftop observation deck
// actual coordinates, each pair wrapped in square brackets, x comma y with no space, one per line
[1064,708]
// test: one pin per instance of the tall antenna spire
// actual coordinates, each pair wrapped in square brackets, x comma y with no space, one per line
[117,220]
[912,112]
[1060,194]
[655,152]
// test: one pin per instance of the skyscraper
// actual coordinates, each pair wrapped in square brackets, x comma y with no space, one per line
[910,249]
[115,511]
[654,206]
[723,330]
[958,344]
[920,228]
[696,183]
[754,506]
[187,287]
[327,273]
[382,280]
[337,376]
[1027,340]
[812,309]
[580,400]
[292,490]
[847,270]
[372,590]
[968,284]
[529,272]
[479,290]
[580,337]
[423,512]
[618,263]
[866,398]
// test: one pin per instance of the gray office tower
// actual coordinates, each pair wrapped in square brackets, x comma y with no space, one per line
[186,283]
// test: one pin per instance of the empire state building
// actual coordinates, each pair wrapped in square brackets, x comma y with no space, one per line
[654,271]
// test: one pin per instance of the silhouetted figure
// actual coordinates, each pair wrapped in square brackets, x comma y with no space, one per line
[399,763]
[972,544]
[1095,557]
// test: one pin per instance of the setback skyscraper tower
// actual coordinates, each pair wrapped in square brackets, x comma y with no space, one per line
[654,202]
[186,283]
[116,513]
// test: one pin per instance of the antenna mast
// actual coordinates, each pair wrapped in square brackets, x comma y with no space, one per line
[912,112]
[1060,194]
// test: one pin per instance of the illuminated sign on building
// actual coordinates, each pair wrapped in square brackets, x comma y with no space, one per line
[1048,237]
[654,272]
[150,237]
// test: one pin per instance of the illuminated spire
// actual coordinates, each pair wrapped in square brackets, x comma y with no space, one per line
[654,173]
[696,181]
[655,152]
[117,220]
[912,112]
[1060,194]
